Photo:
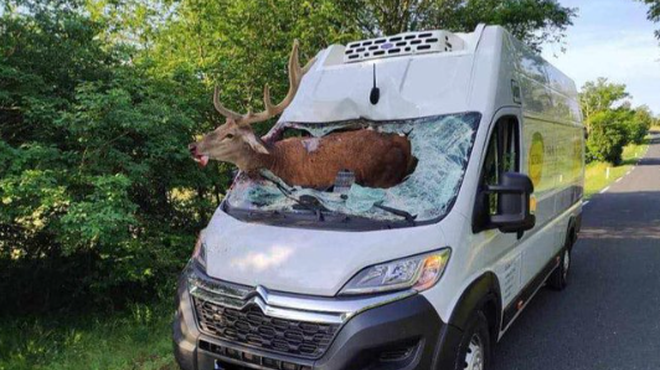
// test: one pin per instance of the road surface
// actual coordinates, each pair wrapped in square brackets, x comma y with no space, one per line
[609,316]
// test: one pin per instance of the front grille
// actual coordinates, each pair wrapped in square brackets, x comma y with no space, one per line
[251,327]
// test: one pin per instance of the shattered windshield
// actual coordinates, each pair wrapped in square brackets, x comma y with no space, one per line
[440,144]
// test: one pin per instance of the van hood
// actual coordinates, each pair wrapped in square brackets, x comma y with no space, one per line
[305,261]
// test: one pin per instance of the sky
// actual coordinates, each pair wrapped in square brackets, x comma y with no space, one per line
[613,39]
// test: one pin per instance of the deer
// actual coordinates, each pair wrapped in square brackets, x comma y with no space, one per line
[378,160]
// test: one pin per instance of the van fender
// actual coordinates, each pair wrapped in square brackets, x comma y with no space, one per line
[483,293]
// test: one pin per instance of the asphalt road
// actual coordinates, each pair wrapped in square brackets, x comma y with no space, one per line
[609,316]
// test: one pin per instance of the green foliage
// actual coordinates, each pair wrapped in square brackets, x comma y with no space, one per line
[97,188]
[601,95]
[606,138]
[641,123]
[241,45]
[653,13]
[533,21]
[137,338]
[610,120]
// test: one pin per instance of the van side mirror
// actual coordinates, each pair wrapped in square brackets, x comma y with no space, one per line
[513,210]
[513,192]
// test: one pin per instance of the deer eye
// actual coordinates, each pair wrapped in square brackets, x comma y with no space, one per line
[229,136]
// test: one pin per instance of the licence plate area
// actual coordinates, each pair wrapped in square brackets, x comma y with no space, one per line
[227,358]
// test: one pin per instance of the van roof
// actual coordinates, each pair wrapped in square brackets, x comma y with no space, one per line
[457,72]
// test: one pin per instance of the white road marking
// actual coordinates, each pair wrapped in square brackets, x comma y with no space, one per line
[585,203]
[619,179]
[604,190]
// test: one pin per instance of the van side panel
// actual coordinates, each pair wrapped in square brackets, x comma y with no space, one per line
[552,149]
[553,152]
[552,155]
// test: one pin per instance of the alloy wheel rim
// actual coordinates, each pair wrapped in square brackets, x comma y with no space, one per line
[567,263]
[474,358]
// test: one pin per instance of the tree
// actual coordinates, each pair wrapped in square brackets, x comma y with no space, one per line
[641,122]
[100,200]
[599,96]
[240,45]
[610,119]
[607,137]
[533,21]
[654,12]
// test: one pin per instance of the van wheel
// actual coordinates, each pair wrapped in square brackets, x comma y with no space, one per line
[474,350]
[559,278]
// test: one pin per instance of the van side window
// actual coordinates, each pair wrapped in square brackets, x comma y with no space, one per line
[490,172]
[503,155]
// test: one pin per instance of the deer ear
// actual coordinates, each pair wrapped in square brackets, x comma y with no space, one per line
[256,144]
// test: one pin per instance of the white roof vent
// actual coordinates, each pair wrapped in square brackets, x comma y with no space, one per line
[403,44]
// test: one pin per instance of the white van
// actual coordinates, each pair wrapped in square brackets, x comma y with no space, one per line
[427,274]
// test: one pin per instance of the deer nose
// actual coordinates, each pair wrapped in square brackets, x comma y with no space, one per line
[193,148]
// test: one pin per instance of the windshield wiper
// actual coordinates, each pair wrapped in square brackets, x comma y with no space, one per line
[317,208]
[399,212]
[313,204]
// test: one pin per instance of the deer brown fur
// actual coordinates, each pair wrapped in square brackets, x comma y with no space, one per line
[378,160]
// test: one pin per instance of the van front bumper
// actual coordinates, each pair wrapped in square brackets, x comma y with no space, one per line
[404,334]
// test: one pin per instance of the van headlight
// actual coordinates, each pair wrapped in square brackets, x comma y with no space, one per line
[418,272]
[199,253]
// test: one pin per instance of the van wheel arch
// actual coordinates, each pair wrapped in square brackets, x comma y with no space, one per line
[484,295]
[481,298]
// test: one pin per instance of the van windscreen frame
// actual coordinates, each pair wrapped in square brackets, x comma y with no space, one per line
[443,126]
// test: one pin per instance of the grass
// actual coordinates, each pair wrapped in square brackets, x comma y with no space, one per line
[596,173]
[137,339]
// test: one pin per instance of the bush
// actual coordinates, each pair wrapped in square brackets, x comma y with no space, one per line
[641,123]
[100,199]
[606,138]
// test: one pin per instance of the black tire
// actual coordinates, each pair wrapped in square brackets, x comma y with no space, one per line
[477,328]
[558,280]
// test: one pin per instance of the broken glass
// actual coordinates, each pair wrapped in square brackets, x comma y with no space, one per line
[442,145]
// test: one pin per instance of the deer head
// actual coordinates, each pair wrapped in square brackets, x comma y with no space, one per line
[235,141]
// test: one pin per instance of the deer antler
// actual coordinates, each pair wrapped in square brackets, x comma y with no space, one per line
[295,76]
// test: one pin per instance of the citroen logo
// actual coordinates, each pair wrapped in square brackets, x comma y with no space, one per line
[258,297]
[262,292]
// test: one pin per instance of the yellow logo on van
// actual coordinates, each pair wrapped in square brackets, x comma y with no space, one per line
[535,159]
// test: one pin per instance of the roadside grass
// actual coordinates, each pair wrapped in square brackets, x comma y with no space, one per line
[136,339]
[596,172]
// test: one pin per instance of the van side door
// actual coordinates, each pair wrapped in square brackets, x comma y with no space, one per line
[504,255]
